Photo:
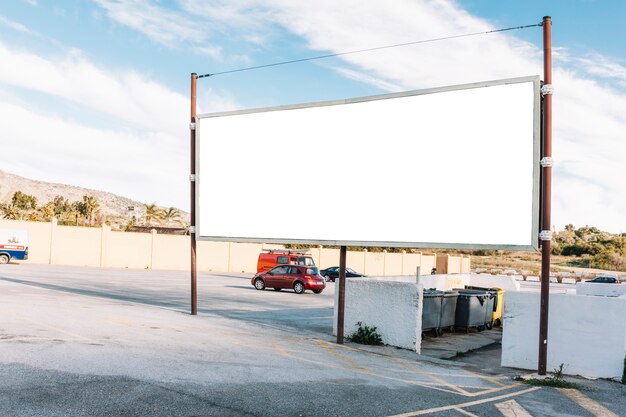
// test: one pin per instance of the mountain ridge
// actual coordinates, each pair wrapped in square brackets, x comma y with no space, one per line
[113,206]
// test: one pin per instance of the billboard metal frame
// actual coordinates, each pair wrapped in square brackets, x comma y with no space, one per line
[534,233]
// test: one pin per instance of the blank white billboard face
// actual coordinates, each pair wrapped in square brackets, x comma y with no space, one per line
[454,167]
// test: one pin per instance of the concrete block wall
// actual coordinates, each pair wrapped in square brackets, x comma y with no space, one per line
[587,334]
[600,289]
[397,313]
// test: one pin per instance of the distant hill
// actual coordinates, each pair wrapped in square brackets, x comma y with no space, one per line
[113,206]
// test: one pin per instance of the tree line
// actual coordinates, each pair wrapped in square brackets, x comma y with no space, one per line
[84,212]
[594,247]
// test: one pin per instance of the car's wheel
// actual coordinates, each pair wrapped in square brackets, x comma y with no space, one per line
[259,284]
[4,259]
[298,287]
[327,278]
[317,291]
[277,289]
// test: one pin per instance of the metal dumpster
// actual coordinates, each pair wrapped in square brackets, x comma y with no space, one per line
[431,311]
[473,309]
[498,303]
[448,309]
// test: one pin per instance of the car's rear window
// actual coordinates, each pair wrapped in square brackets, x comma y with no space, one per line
[311,271]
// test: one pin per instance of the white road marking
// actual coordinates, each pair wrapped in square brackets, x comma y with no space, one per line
[512,408]
[463,405]
[464,412]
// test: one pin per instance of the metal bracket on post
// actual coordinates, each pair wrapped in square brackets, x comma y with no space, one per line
[546,162]
[192,229]
[192,126]
[547,89]
[545,235]
[192,177]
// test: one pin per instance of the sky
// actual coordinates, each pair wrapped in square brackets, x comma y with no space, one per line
[96,93]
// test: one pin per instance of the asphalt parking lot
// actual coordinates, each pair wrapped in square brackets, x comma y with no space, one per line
[103,342]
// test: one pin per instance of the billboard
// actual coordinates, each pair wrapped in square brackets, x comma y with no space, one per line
[451,167]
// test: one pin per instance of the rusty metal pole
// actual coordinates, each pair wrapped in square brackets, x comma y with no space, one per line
[192,182]
[341,302]
[546,166]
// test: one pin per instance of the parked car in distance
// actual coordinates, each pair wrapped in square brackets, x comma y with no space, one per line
[331,274]
[274,257]
[297,277]
[605,279]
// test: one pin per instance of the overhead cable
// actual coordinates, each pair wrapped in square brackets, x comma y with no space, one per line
[294,61]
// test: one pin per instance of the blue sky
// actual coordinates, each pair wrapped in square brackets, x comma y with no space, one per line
[95,93]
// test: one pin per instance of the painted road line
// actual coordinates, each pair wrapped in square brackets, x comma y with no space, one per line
[467,374]
[430,376]
[346,359]
[369,372]
[440,384]
[512,408]
[587,403]
[486,378]
[465,412]
[463,405]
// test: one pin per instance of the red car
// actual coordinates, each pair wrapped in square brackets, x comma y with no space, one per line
[298,277]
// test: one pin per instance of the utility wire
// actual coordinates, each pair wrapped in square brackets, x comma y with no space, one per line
[275,64]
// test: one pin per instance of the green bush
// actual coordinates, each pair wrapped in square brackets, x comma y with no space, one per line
[366,335]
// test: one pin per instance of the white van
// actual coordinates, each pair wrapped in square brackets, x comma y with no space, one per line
[13,245]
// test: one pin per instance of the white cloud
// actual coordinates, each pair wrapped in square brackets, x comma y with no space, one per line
[137,165]
[163,26]
[127,96]
[143,155]
[589,186]
[183,29]
[17,26]
[589,113]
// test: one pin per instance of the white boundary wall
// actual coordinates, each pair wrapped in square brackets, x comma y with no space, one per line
[445,282]
[586,334]
[596,288]
[507,283]
[50,243]
[395,308]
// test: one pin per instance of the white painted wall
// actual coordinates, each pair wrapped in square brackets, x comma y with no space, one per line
[587,334]
[395,308]
[442,282]
[596,288]
[507,283]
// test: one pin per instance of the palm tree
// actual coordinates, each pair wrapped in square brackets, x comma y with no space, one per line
[154,214]
[11,212]
[171,215]
[91,205]
[47,211]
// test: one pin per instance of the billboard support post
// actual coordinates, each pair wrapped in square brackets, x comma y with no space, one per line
[192,188]
[341,302]
[546,186]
